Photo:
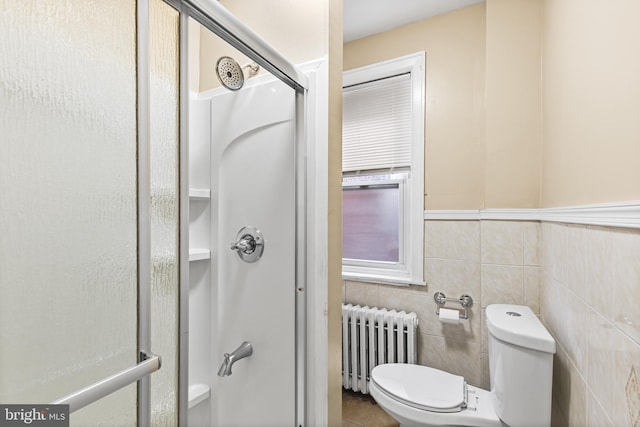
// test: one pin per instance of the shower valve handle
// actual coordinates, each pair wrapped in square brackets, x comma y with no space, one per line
[249,244]
[246,244]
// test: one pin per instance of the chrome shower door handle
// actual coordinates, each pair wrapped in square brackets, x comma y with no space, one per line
[249,244]
[150,363]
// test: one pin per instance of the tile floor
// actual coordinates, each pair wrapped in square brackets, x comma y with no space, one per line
[360,410]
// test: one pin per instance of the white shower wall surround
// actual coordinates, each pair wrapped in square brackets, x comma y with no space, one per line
[582,280]
[243,147]
[253,155]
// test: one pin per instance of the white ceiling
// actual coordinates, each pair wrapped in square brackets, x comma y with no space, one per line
[365,17]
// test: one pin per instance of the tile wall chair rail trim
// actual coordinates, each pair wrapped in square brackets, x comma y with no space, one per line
[452,215]
[617,214]
[511,214]
[478,214]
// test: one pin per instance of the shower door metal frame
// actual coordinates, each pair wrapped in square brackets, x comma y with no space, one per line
[211,15]
[183,233]
[144,203]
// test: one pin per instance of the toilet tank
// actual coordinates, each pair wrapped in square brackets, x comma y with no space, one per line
[520,364]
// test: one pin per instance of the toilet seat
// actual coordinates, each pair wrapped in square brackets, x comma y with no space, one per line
[421,387]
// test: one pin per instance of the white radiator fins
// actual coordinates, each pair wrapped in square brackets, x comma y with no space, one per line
[372,336]
[362,372]
[380,318]
[412,344]
[353,369]
[371,344]
[400,335]
[389,321]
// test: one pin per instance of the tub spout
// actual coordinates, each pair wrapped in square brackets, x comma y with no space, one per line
[245,350]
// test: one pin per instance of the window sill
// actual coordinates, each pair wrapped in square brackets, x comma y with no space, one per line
[381,279]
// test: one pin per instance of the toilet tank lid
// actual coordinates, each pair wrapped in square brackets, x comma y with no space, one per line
[518,325]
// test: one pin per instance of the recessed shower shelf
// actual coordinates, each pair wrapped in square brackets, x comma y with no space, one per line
[198,393]
[199,254]
[199,194]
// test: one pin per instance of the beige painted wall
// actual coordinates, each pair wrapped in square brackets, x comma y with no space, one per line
[591,102]
[194,55]
[513,110]
[454,129]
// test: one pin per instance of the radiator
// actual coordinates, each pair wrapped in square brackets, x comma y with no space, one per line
[372,336]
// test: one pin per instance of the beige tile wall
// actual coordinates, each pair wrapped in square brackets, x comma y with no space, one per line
[493,261]
[590,291]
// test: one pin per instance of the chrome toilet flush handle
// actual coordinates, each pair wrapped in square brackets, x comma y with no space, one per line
[249,244]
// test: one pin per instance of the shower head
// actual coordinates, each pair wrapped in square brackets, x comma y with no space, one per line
[231,75]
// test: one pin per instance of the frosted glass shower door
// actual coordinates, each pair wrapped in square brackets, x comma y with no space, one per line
[69,204]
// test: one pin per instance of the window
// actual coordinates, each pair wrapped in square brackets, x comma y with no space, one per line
[371,216]
[383,172]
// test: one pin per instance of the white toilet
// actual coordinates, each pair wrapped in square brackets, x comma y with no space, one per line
[521,367]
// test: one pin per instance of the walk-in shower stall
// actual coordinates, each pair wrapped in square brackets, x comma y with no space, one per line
[158,263]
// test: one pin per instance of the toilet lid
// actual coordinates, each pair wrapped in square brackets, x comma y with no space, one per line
[421,387]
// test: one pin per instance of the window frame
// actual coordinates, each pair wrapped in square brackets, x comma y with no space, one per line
[409,269]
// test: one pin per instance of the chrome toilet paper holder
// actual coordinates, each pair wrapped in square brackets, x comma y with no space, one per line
[465,301]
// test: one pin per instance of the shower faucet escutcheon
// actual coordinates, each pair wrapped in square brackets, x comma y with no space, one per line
[249,244]
[245,350]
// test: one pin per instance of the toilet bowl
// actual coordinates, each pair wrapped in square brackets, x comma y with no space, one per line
[417,395]
[520,365]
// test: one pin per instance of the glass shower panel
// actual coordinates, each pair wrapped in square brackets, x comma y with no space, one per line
[68,263]
[164,104]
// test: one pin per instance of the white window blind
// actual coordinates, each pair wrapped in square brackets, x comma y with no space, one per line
[376,124]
